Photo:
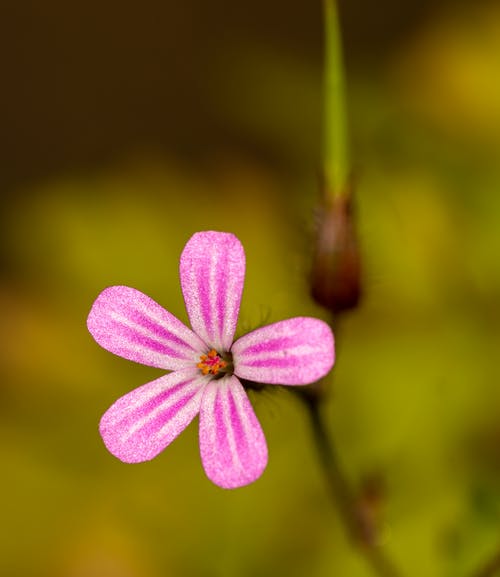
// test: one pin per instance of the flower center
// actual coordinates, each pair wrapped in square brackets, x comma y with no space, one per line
[211,363]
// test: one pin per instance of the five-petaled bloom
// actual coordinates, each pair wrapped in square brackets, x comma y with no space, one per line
[205,363]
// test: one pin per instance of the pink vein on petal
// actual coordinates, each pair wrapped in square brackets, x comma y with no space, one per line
[296,351]
[232,445]
[143,422]
[132,325]
[212,271]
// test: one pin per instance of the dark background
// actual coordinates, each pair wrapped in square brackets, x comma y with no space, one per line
[87,83]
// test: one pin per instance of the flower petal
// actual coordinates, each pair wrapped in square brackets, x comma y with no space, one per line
[143,422]
[130,324]
[232,445]
[296,351]
[212,271]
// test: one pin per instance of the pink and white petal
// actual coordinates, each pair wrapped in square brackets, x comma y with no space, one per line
[143,422]
[232,445]
[130,324]
[296,351]
[212,271]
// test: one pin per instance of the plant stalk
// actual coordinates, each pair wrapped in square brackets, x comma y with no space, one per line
[359,525]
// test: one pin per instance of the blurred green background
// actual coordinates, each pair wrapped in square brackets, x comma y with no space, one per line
[127,127]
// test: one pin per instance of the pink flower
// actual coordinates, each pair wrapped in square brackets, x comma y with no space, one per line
[204,362]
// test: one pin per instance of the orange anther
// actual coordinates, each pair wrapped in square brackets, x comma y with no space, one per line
[211,363]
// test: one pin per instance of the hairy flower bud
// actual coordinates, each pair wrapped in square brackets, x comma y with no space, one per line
[336,274]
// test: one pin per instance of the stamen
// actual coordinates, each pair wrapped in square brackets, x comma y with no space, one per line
[211,363]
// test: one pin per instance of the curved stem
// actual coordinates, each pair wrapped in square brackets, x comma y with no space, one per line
[359,525]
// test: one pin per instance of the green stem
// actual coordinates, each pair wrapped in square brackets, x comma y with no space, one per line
[359,526]
[336,155]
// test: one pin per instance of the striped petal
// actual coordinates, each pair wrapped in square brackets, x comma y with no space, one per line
[232,445]
[212,271]
[296,351]
[130,324]
[143,422]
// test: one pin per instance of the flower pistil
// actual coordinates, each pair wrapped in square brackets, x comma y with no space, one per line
[211,363]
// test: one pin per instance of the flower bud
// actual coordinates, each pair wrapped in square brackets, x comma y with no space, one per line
[336,272]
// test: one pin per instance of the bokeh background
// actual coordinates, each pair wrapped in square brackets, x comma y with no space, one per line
[128,126]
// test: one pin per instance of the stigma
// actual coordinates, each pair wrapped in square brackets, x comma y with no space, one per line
[211,363]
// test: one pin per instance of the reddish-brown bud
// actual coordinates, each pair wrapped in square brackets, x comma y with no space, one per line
[336,272]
